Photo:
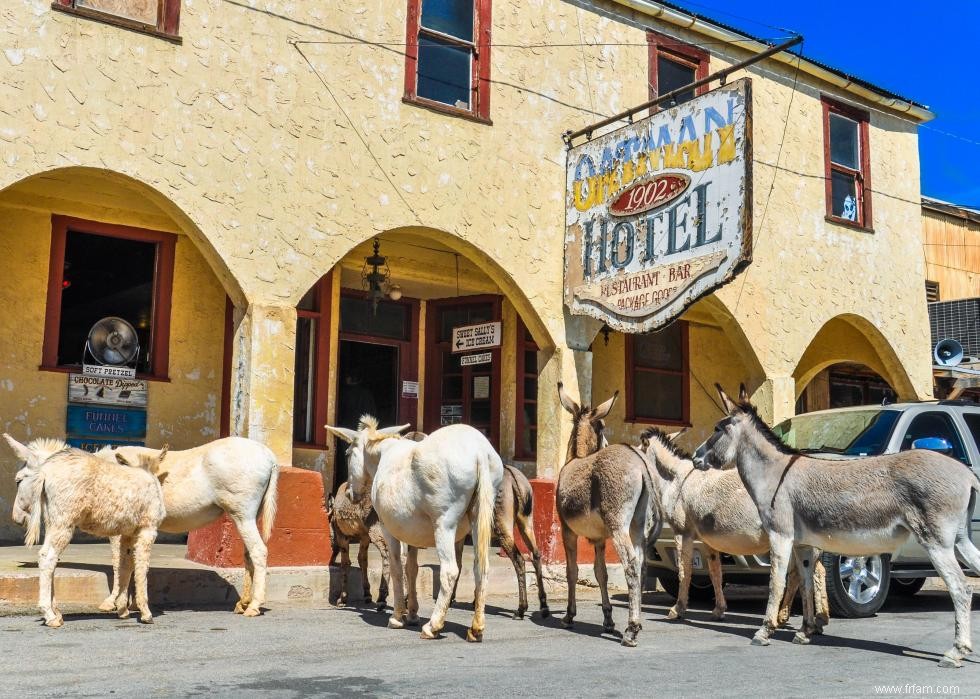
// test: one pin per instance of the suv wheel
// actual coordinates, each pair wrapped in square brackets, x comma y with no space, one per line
[856,585]
[906,587]
[700,590]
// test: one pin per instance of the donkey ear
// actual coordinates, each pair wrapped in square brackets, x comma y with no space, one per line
[743,395]
[674,436]
[163,453]
[349,436]
[397,429]
[566,402]
[603,410]
[122,461]
[725,400]
[22,452]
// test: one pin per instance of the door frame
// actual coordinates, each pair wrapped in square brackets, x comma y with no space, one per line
[433,362]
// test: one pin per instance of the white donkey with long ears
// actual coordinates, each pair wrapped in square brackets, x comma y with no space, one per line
[860,507]
[428,493]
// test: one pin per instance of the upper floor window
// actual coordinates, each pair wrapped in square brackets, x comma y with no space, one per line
[847,164]
[160,17]
[673,65]
[658,376]
[448,55]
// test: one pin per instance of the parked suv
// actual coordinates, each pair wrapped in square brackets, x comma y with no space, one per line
[856,585]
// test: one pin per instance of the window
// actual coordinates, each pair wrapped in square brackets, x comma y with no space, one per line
[657,378]
[527,394]
[674,64]
[310,379]
[932,291]
[973,422]
[98,270]
[939,425]
[447,63]
[847,169]
[158,17]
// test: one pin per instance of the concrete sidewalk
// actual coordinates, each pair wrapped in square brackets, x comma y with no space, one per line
[84,571]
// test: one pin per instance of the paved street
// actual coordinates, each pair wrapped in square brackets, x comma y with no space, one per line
[300,652]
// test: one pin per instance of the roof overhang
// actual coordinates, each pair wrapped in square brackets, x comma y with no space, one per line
[678,18]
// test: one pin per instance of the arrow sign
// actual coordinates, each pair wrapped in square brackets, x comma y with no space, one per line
[467,338]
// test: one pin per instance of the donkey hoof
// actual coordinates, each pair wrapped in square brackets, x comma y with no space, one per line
[412,620]
[108,605]
[801,639]
[55,623]
[252,611]
[380,607]
[760,640]
[568,621]
[394,623]
[718,614]
[674,613]
[148,619]
[428,634]
[474,636]
[519,614]
[628,642]
[123,613]
[608,626]
[545,612]
[950,660]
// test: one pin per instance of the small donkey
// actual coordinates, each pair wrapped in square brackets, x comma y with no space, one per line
[71,488]
[356,520]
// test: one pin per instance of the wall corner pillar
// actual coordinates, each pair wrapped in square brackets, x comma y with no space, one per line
[776,399]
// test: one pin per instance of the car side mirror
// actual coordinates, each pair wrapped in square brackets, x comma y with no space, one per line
[932,444]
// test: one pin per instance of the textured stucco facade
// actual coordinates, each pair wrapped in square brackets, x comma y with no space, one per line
[275,141]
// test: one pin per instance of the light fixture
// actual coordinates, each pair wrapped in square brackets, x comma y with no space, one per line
[375,277]
[395,292]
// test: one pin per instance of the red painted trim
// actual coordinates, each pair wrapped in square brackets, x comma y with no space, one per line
[171,17]
[224,423]
[321,361]
[166,25]
[484,25]
[412,22]
[162,291]
[863,176]
[684,373]
[522,373]
[678,51]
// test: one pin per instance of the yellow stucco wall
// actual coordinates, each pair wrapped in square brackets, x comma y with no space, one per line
[277,144]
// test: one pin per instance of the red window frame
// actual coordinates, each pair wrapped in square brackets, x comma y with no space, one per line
[525,343]
[163,284]
[679,52]
[684,372]
[320,381]
[167,24]
[862,177]
[479,89]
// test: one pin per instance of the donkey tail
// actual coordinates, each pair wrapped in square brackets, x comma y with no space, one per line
[654,521]
[38,506]
[964,537]
[486,498]
[269,500]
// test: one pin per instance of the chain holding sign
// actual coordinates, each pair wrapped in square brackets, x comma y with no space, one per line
[658,213]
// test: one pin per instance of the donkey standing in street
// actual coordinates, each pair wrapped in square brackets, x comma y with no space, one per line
[715,508]
[605,491]
[865,506]
[350,519]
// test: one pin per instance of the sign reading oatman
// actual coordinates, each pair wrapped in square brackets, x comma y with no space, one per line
[659,211]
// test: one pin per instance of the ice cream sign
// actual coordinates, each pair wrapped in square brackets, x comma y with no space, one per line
[659,211]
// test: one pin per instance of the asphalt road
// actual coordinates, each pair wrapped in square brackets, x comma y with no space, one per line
[303,652]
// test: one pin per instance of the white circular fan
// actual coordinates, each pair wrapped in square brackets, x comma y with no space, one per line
[113,341]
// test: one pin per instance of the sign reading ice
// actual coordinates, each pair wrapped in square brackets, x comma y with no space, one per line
[659,211]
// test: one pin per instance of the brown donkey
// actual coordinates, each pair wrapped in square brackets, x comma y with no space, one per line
[356,520]
[605,491]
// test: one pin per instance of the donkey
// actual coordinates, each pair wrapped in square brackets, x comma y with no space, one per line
[513,508]
[428,493]
[351,519]
[859,507]
[71,488]
[715,508]
[233,475]
[604,491]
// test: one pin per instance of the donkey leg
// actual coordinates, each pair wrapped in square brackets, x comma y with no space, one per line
[127,563]
[55,541]
[448,572]
[507,543]
[685,559]
[397,619]
[627,555]
[459,564]
[411,580]
[109,603]
[343,543]
[257,552]
[378,539]
[820,602]
[789,594]
[714,571]
[144,542]
[804,565]
[527,533]
[780,552]
[944,561]
[362,563]
[570,541]
[602,578]
[247,577]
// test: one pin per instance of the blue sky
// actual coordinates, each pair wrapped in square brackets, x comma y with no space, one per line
[928,53]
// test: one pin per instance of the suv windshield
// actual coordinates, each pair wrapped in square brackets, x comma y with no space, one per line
[852,432]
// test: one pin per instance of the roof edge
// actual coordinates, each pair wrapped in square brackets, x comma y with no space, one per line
[685,20]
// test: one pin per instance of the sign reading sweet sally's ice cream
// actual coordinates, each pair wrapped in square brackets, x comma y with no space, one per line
[659,211]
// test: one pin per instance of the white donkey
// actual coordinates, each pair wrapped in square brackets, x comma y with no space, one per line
[428,493]
[234,475]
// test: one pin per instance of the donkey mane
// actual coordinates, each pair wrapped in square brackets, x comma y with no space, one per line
[666,441]
[765,430]
[367,422]
[48,444]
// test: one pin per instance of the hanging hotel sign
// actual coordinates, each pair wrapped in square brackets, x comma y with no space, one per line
[467,338]
[659,211]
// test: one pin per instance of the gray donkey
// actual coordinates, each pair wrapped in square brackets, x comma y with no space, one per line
[605,491]
[858,507]
[715,508]
[358,521]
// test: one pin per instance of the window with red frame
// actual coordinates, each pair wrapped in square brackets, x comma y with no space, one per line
[658,376]
[153,16]
[527,394]
[674,64]
[847,164]
[310,378]
[448,55]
